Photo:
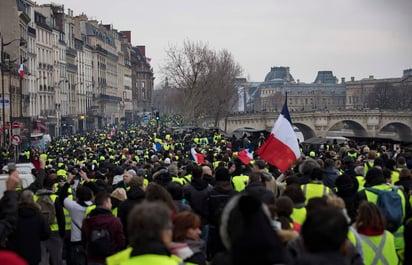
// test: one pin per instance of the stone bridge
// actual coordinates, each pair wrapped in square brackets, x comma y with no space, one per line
[369,123]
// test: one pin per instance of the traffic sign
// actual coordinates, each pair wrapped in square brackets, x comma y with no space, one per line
[15,139]
[16,125]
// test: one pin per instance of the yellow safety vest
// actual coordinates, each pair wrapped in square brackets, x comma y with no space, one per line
[398,234]
[154,259]
[361,181]
[379,250]
[312,190]
[240,182]
[54,226]
[299,215]
[181,181]
[394,176]
[89,209]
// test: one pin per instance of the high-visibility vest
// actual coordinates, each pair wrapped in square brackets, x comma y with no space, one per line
[372,197]
[379,249]
[240,182]
[181,181]
[67,218]
[54,226]
[354,238]
[366,166]
[89,209]
[394,176]
[299,215]
[154,259]
[361,181]
[312,190]
[353,155]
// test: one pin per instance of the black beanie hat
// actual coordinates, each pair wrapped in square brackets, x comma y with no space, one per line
[222,174]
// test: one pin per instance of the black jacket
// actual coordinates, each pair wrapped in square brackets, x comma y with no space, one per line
[134,196]
[30,230]
[8,206]
[195,193]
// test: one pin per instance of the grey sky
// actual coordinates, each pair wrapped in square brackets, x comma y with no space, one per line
[350,37]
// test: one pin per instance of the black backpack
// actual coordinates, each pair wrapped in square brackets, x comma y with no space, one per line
[100,242]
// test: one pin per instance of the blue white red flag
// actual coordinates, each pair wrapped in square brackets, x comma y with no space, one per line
[281,149]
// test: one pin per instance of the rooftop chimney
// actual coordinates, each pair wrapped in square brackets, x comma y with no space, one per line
[352,79]
[342,80]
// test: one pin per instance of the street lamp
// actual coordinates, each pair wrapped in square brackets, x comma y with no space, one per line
[3,44]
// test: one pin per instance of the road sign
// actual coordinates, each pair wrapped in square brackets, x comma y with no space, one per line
[15,139]
[16,124]
[145,118]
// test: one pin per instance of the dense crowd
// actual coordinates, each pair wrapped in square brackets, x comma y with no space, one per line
[154,196]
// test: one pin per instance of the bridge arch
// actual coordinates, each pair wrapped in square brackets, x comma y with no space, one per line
[307,131]
[348,127]
[396,130]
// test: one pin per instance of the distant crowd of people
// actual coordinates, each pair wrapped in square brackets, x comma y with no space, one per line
[149,196]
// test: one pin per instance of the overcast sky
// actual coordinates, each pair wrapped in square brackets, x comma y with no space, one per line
[350,37]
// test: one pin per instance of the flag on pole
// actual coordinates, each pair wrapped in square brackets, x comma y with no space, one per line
[281,149]
[21,70]
[246,155]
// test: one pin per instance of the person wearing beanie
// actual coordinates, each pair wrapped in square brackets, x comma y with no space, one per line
[248,234]
[216,199]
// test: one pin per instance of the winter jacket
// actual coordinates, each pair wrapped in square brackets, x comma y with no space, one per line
[30,230]
[134,196]
[8,211]
[195,194]
[103,218]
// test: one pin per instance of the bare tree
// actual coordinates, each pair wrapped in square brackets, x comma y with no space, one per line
[203,78]
[389,97]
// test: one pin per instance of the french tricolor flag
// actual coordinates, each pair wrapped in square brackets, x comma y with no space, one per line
[245,156]
[21,70]
[197,157]
[281,149]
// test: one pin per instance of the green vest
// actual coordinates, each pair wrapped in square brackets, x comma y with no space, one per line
[299,215]
[361,181]
[181,181]
[89,209]
[312,190]
[379,249]
[54,226]
[398,234]
[240,182]
[153,259]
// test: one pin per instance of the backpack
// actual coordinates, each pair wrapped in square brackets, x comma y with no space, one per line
[390,205]
[100,242]
[47,208]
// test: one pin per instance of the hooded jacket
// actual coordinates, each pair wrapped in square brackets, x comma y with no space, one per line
[103,218]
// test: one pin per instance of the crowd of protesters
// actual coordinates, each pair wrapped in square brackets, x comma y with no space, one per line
[149,196]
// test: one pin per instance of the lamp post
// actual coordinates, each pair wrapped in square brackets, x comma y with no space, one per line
[58,106]
[2,65]
[73,98]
